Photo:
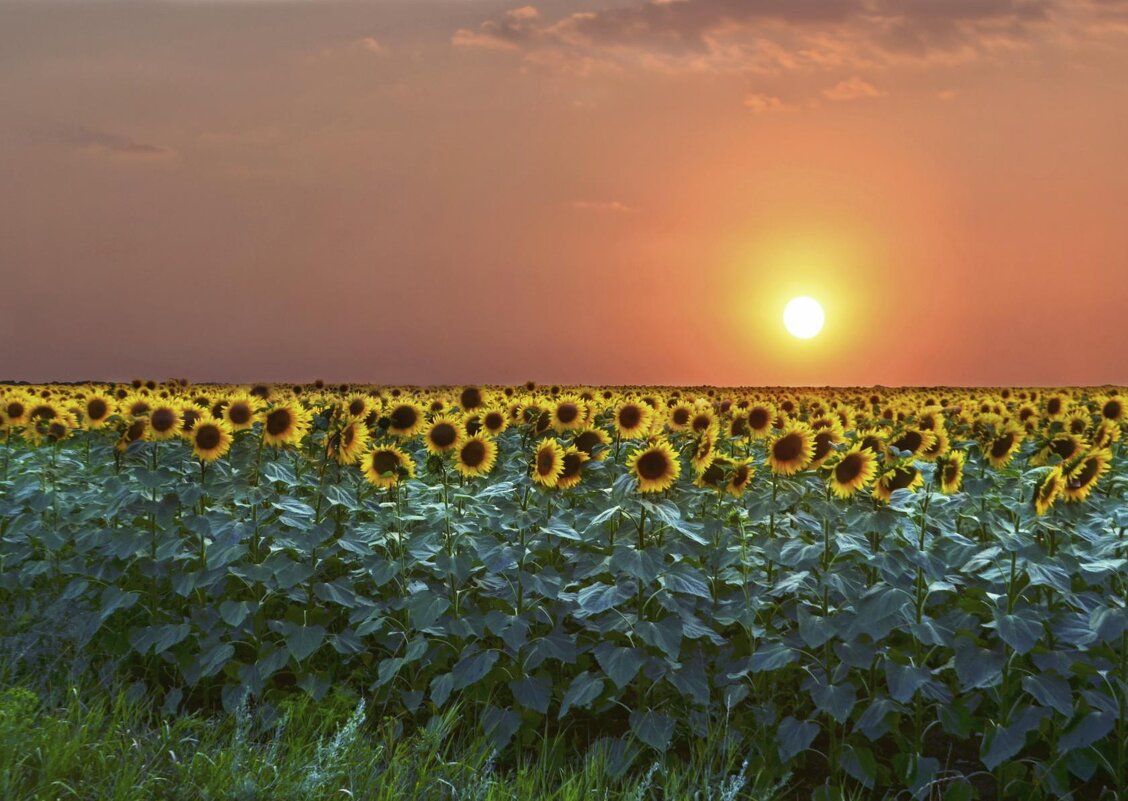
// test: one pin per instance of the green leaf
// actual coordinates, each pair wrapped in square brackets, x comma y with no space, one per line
[664,634]
[836,700]
[794,737]
[301,641]
[598,597]
[211,661]
[584,689]
[472,668]
[652,728]
[1092,727]
[620,664]
[114,599]
[235,612]
[771,657]
[1002,743]
[532,692]
[158,638]
[1021,630]
[1050,691]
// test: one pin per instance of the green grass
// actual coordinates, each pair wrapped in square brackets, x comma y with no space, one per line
[88,743]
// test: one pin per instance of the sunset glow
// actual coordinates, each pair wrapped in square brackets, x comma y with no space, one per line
[405,179]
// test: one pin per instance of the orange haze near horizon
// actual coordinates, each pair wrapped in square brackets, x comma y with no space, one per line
[618,192]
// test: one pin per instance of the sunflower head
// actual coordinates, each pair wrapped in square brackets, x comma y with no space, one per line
[1047,490]
[442,435]
[949,471]
[97,409]
[592,441]
[901,476]
[346,440]
[210,439]
[386,466]
[632,419]
[476,456]
[852,470]
[792,450]
[285,424]
[655,467]
[548,462]
[574,460]
[1082,473]
[403,418]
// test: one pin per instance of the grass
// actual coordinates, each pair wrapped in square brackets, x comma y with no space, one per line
[71,728]
[91,744]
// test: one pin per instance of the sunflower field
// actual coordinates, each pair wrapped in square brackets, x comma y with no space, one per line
[868,590]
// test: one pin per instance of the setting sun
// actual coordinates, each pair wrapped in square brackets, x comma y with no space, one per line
[803,317]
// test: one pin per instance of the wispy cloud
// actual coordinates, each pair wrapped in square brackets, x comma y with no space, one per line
[853,88]
[761,103]
[780,35]
[101,142]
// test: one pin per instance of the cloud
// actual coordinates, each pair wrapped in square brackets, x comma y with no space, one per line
[103,143]
[766,104]
[771,35]
[854,88]
[603,206]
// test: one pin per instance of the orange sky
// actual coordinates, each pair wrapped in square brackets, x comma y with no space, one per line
[600,191]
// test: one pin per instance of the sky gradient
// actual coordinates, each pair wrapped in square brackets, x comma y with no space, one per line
[452,191]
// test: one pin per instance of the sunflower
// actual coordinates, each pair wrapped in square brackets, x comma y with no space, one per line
[494,421]
[679,416]
[900,477]
[704,452]
[16,407]
[405,418]
[476,456]
[442,435]
[825,439]
[241,412]
[949,470]
[703,421]
[760,419]
[1003,445]
[1066,446]
[164,421]
[737,425]
[136,405]
[548,462]
[211,439]
[347,439]
[569,412]
[97,408]
[632,419]
[284,424]
[852,470]
[1047,490]
[792,450]
[359,405]
[189,416]
[913,440]
[1083,474]
[1113,409]
[740,477]
[1106,433]
[386,466]
[471,398]
[50,429]
[593,442]
[655,467]
[715,475]
[574,460]
[136,431]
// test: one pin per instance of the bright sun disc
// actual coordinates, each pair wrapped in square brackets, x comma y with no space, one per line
[803,317]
